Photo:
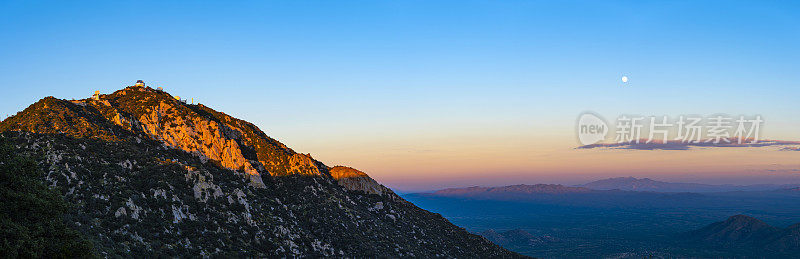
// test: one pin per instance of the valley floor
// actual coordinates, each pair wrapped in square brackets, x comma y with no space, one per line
[574,227]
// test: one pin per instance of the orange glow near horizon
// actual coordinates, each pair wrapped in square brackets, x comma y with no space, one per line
[429,161]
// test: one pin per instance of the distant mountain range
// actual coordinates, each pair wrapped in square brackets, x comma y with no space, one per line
[627,191]
[627,184]
[519,188]
[560,194]
[649,185]
[749,233]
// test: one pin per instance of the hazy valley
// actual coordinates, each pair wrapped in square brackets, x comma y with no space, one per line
[562,221]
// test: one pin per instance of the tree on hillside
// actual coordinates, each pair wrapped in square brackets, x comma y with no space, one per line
[32,215]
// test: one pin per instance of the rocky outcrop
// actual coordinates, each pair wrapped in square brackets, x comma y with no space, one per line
[355,180]
[144,112]
[197,135]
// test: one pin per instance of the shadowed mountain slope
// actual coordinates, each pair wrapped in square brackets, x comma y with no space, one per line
[749,234]
[736,229]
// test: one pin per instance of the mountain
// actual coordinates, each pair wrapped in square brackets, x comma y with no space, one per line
[744,232]
[737,229]
[353,179]
[786,240]
[556,194]
[644,184]
[511,189]
[31,218]
[149,175]
[649,185]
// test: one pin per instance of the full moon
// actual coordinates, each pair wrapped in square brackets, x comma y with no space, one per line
[624,79]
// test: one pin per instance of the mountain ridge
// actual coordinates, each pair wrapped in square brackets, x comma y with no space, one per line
[736,229]
[151,175]
[649,185]
[519,188]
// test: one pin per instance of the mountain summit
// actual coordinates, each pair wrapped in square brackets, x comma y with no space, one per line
[150,175]
[736,229]
[142,112]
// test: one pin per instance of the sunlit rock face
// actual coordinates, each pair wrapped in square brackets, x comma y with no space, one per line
[197,129]
[197,135]
[355,180]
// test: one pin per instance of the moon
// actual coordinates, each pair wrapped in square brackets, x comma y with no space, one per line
[624,79]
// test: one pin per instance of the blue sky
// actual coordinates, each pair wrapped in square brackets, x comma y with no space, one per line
[390,72]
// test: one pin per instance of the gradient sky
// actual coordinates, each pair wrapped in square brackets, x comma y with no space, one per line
[429,94]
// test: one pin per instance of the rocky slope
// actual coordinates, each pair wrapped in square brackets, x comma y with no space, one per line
[353,179]
[149,175]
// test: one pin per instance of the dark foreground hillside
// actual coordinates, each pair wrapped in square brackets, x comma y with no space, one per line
[148,175]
